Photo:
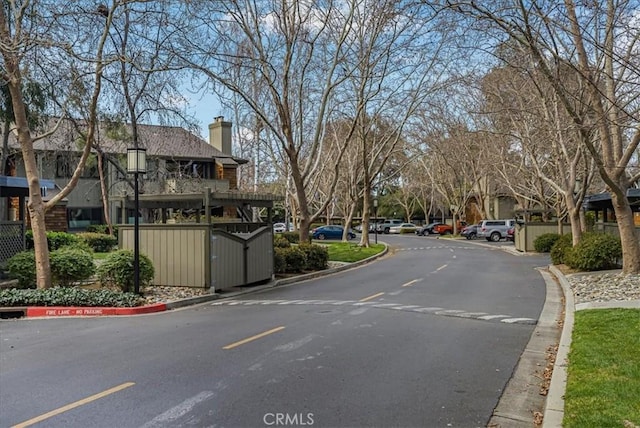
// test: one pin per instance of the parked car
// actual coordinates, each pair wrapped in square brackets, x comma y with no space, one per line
[427,230]
[388,224]
[403,228]
[495,230]
[511,234]
[470,232]
[447,229]
[330,232]
[279,227]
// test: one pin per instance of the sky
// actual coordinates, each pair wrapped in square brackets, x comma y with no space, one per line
[204,108]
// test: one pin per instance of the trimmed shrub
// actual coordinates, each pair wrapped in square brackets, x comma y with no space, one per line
[544,242]
[560,249]
[279,263]
[69,265]
[73,296]
[103,228]
[22,267]
[595,251]
[117,269]
[292,237]
[317,256]
[55,240]
[281,242]
[99,242]
[98,228]
[295,259]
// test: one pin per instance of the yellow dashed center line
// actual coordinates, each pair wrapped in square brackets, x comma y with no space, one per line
[371,297]
[73,405]
[252,338]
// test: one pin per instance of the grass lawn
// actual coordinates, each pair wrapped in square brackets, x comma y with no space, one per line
[603,387]
[350,252]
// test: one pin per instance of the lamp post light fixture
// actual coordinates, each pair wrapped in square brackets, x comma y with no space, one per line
[136,165]
[375,216]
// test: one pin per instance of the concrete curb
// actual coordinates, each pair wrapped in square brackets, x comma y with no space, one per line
[67,311]
[554,406]
[522,393]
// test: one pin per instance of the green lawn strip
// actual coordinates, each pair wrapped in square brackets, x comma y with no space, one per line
[603,386]
[349,252]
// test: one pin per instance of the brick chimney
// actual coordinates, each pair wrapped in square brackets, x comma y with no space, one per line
[220,135]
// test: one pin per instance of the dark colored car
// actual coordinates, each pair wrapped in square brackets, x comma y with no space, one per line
[330,232]
[470,232]
[428,229]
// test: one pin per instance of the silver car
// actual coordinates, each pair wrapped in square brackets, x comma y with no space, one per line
[494,230]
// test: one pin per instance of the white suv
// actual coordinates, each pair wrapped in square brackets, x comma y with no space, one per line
[494,230]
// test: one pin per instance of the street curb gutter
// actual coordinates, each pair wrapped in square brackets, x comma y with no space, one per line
[554,407]
[521,396]
[66,311]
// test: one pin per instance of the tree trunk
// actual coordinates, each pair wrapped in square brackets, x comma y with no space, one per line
[628,235]
[103,189]
[574,218]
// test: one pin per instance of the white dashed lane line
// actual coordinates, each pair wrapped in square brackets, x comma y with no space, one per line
[456,313]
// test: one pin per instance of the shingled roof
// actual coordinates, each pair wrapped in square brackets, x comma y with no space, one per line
[160,141]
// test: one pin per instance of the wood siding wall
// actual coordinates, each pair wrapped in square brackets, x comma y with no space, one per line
[203,256]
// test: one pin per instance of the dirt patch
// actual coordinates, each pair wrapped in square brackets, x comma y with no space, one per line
[566,270]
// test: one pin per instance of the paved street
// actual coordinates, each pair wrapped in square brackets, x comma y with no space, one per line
[426,336]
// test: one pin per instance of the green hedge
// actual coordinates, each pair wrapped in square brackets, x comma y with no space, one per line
[70,265]
[292,237]
[595,251]
[117,269]
[55,240]
[560,248]
[102,228]
[317,256]
[59,296]
[22,267]
[99,242]
[281,242]
[298,258]
[279,264]
[545,242]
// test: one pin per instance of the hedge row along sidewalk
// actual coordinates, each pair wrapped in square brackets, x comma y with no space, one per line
[75,311]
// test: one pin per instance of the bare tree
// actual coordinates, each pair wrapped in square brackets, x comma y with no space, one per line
[599,41]
[541,136]
[72,37]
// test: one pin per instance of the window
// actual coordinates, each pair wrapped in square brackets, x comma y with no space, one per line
[81,218]
[191,169]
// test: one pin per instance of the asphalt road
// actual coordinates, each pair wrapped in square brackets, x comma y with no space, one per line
[426,336]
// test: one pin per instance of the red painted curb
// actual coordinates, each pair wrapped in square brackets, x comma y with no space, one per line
[74,311]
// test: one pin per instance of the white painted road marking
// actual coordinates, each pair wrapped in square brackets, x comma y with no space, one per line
[410,283]
[170,416]
[458,313]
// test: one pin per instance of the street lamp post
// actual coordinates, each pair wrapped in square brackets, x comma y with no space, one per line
[375,216]
[136,164]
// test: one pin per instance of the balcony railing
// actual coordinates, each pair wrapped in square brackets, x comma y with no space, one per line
[194,185]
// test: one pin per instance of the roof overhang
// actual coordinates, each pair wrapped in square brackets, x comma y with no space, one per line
[601,201]
[19,186]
